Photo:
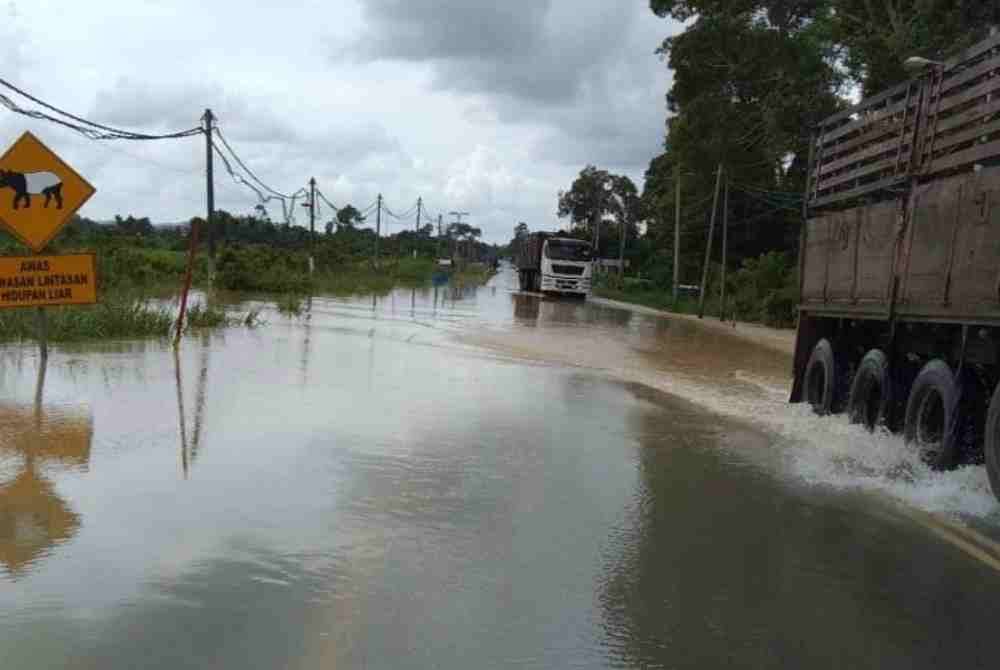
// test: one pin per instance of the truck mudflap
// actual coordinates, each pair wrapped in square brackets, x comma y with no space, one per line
[806,336]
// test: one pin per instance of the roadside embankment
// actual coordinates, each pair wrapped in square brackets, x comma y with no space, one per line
[778,339]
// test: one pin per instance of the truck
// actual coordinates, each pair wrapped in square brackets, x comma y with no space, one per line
[548,263]
[899,263]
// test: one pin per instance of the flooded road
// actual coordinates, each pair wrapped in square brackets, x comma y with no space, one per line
[470,478]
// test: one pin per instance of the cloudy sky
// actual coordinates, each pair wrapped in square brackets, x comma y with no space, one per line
[484,106]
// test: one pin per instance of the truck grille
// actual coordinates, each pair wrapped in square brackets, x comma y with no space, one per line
[567,269]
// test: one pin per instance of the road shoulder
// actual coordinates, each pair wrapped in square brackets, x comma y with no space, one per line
[778,339]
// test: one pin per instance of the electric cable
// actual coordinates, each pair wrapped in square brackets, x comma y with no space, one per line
[242,164]
[90,129]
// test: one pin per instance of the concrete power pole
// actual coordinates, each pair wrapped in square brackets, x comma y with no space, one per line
[378,225]
[708,245]
[621,251]
[725,248]
[416,239]
[440,234]
[208,118]
[458,219]
[312,224]
[677,231]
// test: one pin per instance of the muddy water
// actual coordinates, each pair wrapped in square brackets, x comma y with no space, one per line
[470,478]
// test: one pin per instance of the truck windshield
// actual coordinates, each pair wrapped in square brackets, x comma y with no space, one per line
[567,250]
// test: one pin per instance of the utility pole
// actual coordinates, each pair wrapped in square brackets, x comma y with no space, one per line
[458,219]
[725,246]
[378,225]
[416,238]
[312,224]
[597,238]
[708,245]
[677,231]
[208,118]
[621,251]
[440,234]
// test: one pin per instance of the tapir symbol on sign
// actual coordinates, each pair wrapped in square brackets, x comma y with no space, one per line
[27,184]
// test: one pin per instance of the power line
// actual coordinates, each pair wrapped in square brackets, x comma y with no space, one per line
[329,204]
[790,206]
[90,129]
[239,161]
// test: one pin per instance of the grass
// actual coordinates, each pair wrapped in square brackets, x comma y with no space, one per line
[360,277]
[657,299]
[289,304]
[474,273]
[117,317]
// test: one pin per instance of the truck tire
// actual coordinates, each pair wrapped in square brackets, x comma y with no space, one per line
[536,281]
[522,280]
[871,392]
[821,378]
[932,415]
[991,443]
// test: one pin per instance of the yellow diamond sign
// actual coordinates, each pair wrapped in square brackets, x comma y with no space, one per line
[38,192]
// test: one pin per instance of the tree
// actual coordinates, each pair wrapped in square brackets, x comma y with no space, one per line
[521,230]
[349,217]
[598,198]
[131,225]
[462,231]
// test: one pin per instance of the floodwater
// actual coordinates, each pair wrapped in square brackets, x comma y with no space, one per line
[470,478]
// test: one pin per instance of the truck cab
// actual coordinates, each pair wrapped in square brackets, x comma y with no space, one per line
[566,266]
[551,264]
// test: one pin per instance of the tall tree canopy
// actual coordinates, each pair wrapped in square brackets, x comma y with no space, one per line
[751,78]
[599,198]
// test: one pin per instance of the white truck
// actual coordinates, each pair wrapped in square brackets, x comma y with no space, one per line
[550,264]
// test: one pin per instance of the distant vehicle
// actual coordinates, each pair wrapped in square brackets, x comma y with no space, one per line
[551,264]
[444,263]
[899,323]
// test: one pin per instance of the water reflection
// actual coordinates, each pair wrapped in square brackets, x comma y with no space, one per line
[33,517]
[189,450]
[526,308]
[306,340]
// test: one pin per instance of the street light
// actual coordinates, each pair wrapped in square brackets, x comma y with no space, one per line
[918,64]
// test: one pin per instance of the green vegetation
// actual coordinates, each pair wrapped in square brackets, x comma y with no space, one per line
[473,273]
[117,316]
[262,269]
[764,290]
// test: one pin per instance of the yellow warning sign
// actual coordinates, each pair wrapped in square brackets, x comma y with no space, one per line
[38,192]
[40,281]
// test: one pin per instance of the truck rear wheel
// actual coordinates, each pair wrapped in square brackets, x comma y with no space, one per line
[991,443]
[821,378]
[932,415]
[871,391]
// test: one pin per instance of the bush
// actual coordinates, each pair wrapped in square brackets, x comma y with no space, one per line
[766,289]
[259,268]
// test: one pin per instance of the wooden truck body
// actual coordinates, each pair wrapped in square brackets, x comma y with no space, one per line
[899,322]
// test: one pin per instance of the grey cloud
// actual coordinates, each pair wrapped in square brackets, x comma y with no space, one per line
[453,29]
[531,50]
[584,72]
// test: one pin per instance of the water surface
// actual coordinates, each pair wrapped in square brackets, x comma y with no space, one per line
[468,477]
